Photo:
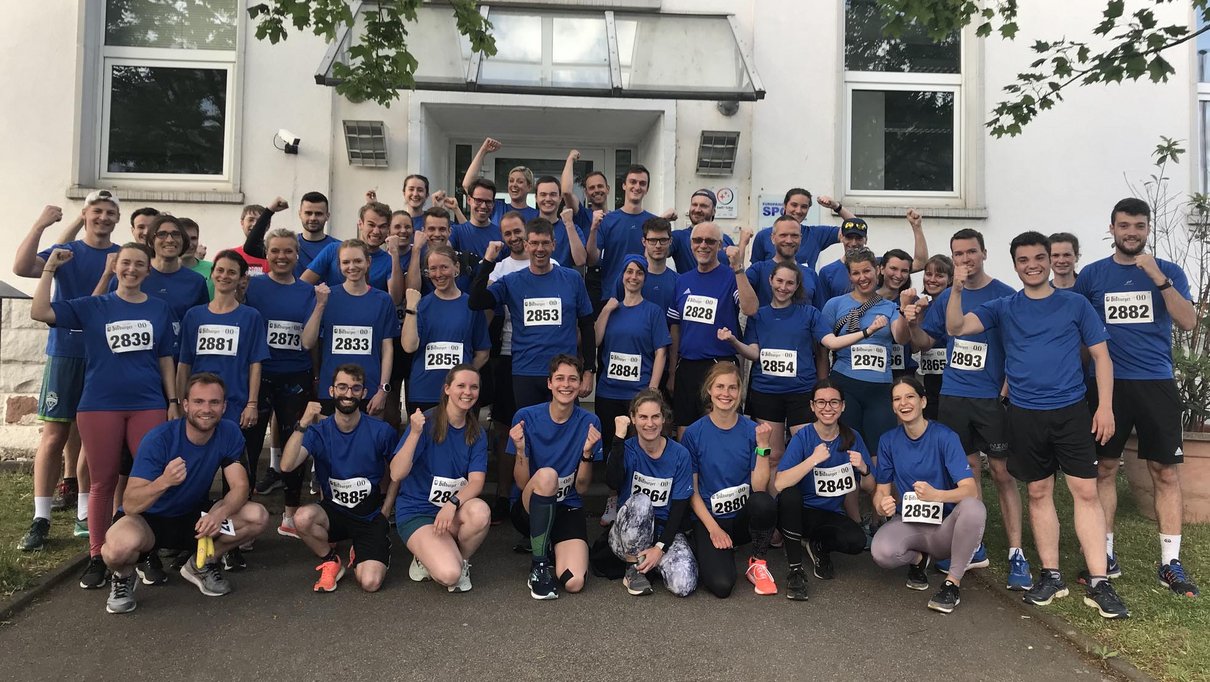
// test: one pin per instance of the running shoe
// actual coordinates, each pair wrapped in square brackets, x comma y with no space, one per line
[542,583]
[80,528]
[946,599]
[821,561]
[96,575]
[611,511]
[1112,570]
[917,574]
[417,572]
[150,569]
[272,481]
[330,573]
[1172,576]
[464,580]
[500,510]
[942,566]
[979,558]
[759,575]
[121,594]
[234,560]
[635,582]
[1106,601]
[1048,588]
[796,584]
[35,539]
[286,527]
[209,579]
[1019,576]
[64,497]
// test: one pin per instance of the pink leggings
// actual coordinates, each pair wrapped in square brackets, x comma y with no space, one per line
[102,435]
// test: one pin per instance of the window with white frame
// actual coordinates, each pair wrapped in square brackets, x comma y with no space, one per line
[1202,128]
[903,105]
[167,87]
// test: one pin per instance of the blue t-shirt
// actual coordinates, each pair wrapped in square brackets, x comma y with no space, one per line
[659,289]
[672,469]
[815,238]
[619,235]
[474,239]
[1136,317]
[681,250]
[872,364]
[226,344]
[285,309]
[439,470]
[123,344]
[76,278]
[722,459]
[168,441]
[562,250]
[350,466]
[787,338]
[935,458]
[327,267]
[450,333]
[309,251]
[632,337]
[802,446]
[758,277]
[705,302]
[353,329]
[979,372]
[182,289]
[544,310]
[834,280]
[502,207]
[1042,339]
[558,446]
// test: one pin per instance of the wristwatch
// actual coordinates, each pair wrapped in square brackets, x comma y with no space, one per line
[1166,285]
[659,546]
[385,388]
[763,452]
[456,502]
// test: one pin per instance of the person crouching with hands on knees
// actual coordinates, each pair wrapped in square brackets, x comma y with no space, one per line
[441,464]
[938,514]
[167,499]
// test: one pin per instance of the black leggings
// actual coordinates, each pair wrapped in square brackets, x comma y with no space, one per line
[284,396]
[834,532]
[754,523]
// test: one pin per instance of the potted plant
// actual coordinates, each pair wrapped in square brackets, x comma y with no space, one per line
[1180,232]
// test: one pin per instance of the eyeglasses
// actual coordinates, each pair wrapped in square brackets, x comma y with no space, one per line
[708,241]
[168,234]
[345,388]
[658,241]
[541,244]
[477,200]
[833,403]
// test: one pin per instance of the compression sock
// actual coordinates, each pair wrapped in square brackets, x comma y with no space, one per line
[541,519]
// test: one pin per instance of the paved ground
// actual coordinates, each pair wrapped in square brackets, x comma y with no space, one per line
[865,624]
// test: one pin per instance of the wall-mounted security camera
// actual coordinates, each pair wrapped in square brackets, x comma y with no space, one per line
[290,140]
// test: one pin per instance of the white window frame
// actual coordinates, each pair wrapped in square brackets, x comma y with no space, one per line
[1202,135]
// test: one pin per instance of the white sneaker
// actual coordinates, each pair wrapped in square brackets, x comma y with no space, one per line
[611,511]
[464,581]
[418,573]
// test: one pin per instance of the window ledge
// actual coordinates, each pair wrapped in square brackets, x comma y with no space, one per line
[863,211]
[182,196]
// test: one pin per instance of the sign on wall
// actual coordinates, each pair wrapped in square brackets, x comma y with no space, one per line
[726,208]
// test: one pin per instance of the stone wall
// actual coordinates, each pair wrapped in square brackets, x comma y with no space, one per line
[22,357]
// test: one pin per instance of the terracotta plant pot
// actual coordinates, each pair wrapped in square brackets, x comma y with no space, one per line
[1195,478]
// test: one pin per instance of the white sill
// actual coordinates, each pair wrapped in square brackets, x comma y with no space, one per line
[181,196]
[930,212]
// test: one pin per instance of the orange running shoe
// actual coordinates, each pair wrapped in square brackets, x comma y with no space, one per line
[758,575]
[330,573]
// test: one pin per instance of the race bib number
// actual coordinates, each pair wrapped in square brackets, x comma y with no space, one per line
[775,362]
[655,488]
[349,492]
[129,335]
[227,527]
[285,335]
[835,481]
[255,271]
[217,339]
[565,485]
[351,339]
[932,361]
[543,312]
[969,356]
[624,367]
[443,489]
[915,510]
[442,355]
[729,500]
[1129,307]
[868,357]
[897,357]
[699,309]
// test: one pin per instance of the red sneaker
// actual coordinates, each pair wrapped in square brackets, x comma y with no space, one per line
[758,574]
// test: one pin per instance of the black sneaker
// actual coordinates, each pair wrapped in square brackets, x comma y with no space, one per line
[35,539]
[96,575]
[1048,588]
[233,560]
[635,582]
[64,498]
[1106,601]
[821,561]
[179,559]
[946,599]
[500,511]
[151,569]
[1172,576]
[272,481]
[796,583]
[918,577]
[542,583]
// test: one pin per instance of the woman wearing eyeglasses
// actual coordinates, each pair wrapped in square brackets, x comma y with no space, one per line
[824,463]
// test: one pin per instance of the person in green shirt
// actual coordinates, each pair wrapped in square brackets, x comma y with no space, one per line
[197,251]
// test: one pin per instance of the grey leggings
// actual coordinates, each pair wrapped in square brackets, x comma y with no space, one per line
[899,544]
[634,531]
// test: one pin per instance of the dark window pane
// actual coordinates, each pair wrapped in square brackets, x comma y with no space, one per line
[622,159]
[167,120]
[902,141]
[183,24]
[866,49]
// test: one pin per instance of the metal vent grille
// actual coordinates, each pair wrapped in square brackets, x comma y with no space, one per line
[716,153]
[366,142]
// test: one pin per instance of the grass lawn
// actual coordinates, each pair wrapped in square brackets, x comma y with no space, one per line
[1166,636]
[22,570]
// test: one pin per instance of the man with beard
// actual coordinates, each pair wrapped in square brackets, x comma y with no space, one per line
[701,210]
[1139,297]
[313,217]
[596,193]
[167,505]
[352,452]
[834,277]
[787,236]
[815,238]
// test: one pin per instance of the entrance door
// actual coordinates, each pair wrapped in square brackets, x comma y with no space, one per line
[541,160]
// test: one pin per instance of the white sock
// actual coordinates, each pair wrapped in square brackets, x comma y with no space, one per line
[275,458]
[42,507]
[1109,544]
[1170,548]
[82,506]
[1013,552]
